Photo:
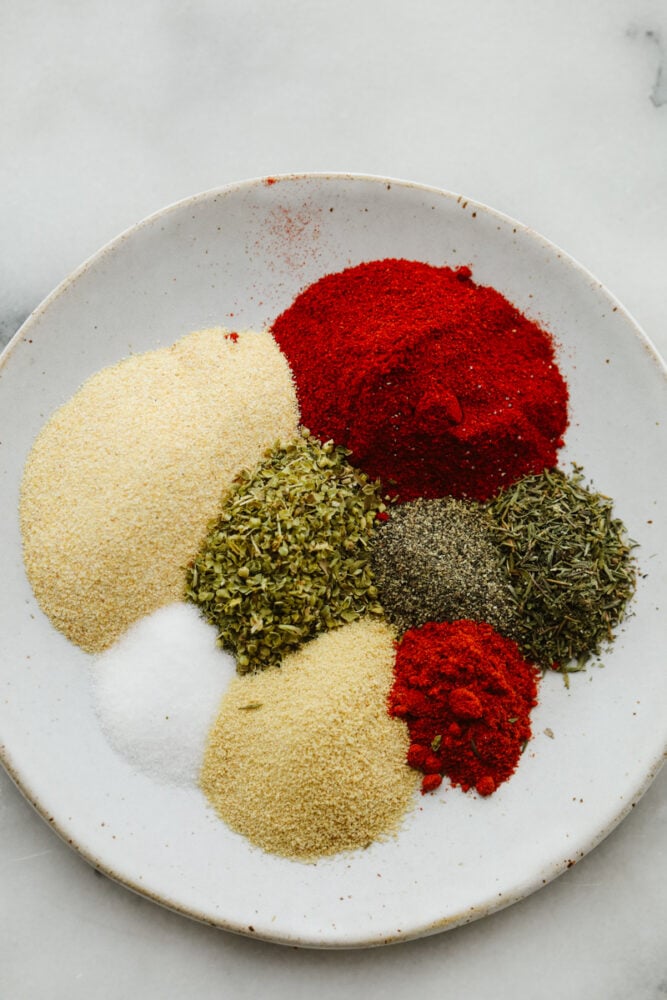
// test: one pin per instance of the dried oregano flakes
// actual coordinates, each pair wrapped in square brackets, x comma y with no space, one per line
[289,554]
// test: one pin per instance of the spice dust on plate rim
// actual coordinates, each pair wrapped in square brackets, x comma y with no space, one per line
[266,934]
[314,935]
[274,180]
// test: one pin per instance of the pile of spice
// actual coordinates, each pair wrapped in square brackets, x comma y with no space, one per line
[122,481]
[569,563]
[439,386]
[288,556]
[466,694]
[157,692]
[437,560]
[304,759]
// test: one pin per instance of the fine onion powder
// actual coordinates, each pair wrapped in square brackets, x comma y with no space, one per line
[304,759]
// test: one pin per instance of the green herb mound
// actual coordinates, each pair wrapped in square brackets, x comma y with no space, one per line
[570,566]
[288,556]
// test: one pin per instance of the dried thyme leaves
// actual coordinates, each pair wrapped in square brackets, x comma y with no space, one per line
[289,554]
[437,560]
[570,566]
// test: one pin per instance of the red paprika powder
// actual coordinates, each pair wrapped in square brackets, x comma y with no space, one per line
[439,386]
[466,694]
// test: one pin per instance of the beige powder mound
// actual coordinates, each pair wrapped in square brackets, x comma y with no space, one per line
[121,483]
[303,759]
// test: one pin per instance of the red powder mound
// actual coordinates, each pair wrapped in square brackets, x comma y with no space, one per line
[437,385]
[466,694]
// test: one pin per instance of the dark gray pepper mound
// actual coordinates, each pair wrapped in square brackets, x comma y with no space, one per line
[436,560]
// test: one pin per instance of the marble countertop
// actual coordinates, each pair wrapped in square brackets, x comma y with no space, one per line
[554,113]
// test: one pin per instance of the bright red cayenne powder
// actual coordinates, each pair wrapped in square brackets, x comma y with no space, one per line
[437,385]
[466,694]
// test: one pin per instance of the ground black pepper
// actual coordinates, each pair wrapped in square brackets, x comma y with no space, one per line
[435,560]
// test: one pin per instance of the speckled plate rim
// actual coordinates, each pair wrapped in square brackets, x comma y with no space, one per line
[548,873]
[450,922]
[236,186]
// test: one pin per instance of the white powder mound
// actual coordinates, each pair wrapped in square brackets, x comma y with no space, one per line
[158,689]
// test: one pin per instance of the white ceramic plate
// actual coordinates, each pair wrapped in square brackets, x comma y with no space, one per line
[238,256]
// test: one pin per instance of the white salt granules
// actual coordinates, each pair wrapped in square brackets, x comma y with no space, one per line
[157,692]
[122,481]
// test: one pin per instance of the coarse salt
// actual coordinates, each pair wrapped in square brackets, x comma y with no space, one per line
[157,692]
